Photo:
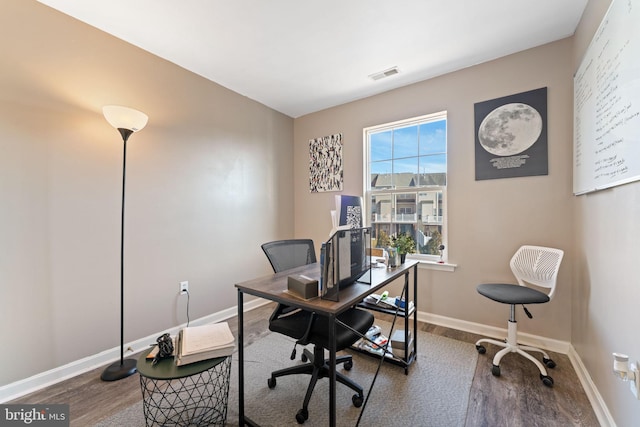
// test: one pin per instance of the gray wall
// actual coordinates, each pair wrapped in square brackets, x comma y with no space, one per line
[606,290]
[208,180]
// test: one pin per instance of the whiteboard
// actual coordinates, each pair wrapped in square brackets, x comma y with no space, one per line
[606,111]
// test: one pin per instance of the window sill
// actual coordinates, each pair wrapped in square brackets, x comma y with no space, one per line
[440,266]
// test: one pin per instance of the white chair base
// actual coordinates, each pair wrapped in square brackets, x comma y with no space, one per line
[511,346]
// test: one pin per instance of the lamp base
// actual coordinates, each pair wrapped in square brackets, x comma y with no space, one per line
[119,370]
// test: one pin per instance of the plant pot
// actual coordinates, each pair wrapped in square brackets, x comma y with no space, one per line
[402,258]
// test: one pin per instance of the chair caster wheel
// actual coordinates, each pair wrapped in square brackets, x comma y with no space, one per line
[481,349]
[357,400]
[348,365]
[495,370]
[271,383]
[302,416]
[549,363]
[546,380]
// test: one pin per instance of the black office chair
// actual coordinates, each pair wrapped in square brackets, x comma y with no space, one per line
[308,328]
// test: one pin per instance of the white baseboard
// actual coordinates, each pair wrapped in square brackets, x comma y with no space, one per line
[36,382]
[599,407]
[497,333]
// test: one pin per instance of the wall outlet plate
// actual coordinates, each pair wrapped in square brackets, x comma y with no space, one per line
[184,287]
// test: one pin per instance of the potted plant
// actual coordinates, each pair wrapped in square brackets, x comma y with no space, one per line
[405,244]
[383,240]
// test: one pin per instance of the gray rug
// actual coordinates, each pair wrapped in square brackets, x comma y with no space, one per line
[435,393]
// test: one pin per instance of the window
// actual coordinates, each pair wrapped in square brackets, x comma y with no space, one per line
[405,181]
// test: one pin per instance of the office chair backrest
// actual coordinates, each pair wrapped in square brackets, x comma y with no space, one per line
[286,254]
[537,265]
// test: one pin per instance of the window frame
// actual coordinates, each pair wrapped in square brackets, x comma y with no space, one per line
[394,191]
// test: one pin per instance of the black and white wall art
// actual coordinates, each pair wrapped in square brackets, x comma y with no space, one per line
[325,164]
[511,136]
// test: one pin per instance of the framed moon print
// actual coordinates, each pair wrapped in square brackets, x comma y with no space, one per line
[511,136]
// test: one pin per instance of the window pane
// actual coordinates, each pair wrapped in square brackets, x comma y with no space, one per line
[405,208]
[380,146]
[433,164]
[430,207]
[381,167]
[381,175]
[429,235]
[433,170]
[381,208]
[433,137]
[405,142]
[405,172]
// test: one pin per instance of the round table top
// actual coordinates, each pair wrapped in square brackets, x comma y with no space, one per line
[166,369]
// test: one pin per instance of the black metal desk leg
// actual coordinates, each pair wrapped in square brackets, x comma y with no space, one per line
[240,360]
[407,298]
[415,315]
[332,370]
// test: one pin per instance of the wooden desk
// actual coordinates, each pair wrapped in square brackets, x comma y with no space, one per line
[273,287]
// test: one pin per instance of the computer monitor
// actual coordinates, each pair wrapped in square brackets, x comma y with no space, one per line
[344,260]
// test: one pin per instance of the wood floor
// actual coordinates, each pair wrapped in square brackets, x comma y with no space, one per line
[516,398]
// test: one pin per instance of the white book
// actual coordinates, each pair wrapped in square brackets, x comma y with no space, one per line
[198,339]
[198,343]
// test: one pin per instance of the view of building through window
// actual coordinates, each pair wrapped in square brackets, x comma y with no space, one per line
[406,172]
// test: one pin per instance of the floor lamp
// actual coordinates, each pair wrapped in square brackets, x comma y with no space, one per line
[127,121]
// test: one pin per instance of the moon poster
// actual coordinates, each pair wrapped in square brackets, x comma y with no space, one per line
[325,164]
[511,136]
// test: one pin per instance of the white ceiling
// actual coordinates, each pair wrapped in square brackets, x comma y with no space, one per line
[299,57]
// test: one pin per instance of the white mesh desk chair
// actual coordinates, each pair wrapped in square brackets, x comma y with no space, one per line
[531,265]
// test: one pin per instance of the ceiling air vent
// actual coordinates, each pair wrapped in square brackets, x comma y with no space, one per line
[382,74]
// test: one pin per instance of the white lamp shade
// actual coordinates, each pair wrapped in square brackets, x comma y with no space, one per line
[125,117]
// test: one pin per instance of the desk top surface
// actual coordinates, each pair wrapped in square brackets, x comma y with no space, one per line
[274,287]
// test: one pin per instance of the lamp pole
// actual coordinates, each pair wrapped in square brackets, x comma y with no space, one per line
[117,115]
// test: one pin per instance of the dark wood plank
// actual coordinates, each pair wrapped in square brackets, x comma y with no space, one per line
[519,398]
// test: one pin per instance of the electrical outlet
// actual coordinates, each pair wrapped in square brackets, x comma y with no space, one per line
[184,287]
[634,384]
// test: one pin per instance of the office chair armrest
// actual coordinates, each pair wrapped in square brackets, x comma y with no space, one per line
[283,311]
[304,340]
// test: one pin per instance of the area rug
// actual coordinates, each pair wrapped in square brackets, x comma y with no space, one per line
[435,393]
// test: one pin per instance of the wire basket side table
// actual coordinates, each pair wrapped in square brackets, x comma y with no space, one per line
[195,394]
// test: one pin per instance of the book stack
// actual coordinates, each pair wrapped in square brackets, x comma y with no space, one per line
[197,343]
[383,301]
[397,343]
[377,346]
